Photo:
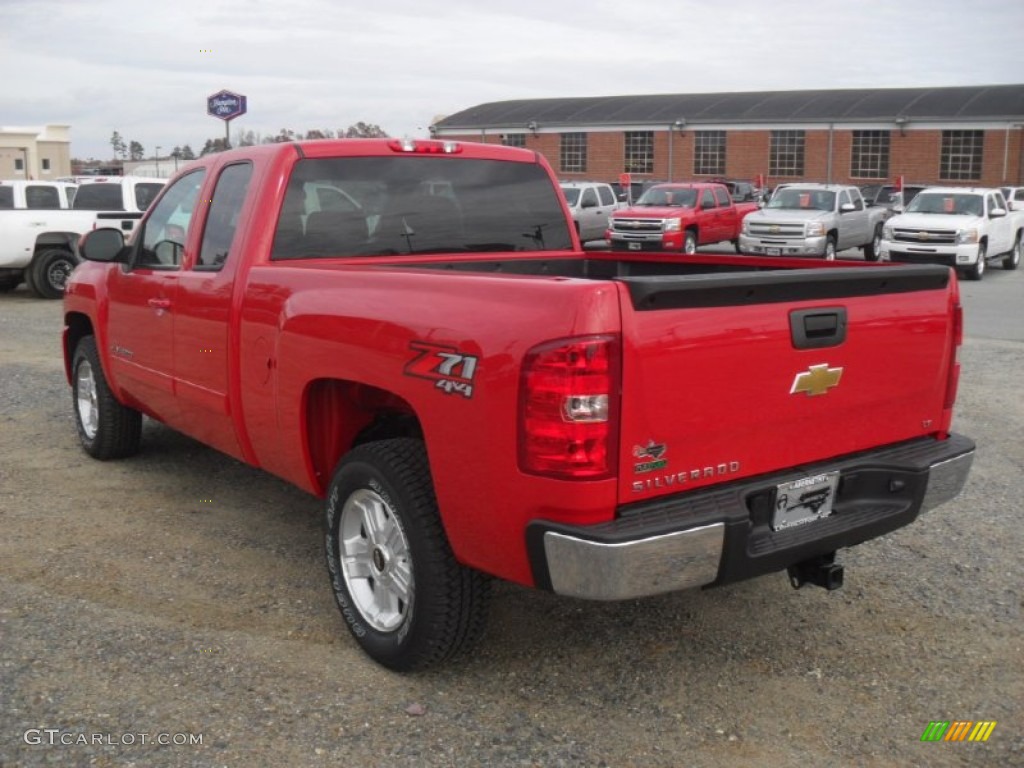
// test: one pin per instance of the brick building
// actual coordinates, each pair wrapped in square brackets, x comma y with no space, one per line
[955,135]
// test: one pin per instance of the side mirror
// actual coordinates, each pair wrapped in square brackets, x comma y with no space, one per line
[847,207]
[105,245]
[997,213]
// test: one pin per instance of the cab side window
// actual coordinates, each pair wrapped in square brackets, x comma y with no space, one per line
[606,194]
[163,237]
[723,197]
[589,198]
[42,198]
[707,199]
[228,198]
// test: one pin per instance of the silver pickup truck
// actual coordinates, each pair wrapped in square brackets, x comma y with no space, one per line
[814,220]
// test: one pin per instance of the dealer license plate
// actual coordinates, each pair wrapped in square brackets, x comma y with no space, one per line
[804,500]
[773,251]
[635,246]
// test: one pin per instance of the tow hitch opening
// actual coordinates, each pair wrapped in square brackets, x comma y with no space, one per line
[822,571]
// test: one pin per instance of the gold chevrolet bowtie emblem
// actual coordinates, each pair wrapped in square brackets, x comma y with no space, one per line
[816,380]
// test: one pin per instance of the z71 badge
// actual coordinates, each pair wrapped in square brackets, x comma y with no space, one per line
[451,371]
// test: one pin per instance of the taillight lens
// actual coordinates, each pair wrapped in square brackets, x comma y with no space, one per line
[952,382]
[569,408]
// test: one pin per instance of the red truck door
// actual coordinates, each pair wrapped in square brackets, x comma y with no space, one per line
[710,218]
[202,314]
[142,302]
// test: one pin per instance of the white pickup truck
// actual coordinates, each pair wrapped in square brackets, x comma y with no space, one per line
[960,227]
[19,194]
[40,246]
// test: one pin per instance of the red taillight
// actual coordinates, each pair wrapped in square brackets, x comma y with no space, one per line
[425,146]
[569,407]
[953,380]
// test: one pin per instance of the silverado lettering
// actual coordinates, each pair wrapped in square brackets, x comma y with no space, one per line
[305,320]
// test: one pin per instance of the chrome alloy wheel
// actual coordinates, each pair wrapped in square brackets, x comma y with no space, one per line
[375,560]
[85,401]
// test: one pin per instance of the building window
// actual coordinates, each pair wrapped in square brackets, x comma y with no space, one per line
[961,155]
[514,139]
[639,152]
[45,163]
[573,154]
[709,153]
[869,156]
[19,164]
[786,155]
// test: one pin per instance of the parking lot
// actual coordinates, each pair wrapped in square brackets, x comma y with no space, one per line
[183,593]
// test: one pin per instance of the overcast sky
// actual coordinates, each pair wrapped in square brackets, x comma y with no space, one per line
[141,67]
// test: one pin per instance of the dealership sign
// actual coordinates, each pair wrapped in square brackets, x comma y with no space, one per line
[225,105]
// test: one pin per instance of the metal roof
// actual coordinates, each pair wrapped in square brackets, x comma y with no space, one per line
[961,103]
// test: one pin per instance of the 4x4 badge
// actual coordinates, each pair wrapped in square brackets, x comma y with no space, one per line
[653,453]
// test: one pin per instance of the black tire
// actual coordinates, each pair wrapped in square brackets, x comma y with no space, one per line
[106,428]
[690,241]
[872,249]
[406,600]
[1012,259]
[830,248]
[978,270]
[50,271]
[30,282]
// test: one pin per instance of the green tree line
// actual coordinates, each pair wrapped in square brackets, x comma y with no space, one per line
[133,150]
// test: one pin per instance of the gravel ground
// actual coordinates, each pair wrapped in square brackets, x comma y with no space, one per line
[180,592]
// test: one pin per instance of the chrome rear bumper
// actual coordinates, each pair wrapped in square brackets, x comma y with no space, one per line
[641,555]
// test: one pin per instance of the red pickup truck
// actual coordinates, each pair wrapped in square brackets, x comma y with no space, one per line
[678,217]
[411,331]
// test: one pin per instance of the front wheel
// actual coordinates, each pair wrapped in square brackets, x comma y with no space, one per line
[830,248]
[50,272]
[1012,259]
[978,270]
[106,428]
[404,597]
[690,242]
[872,249]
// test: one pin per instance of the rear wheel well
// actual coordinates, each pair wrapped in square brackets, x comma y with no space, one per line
[343,414]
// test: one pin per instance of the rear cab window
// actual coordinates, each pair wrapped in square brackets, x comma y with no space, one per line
[99,197]
[419,205]
[40,197]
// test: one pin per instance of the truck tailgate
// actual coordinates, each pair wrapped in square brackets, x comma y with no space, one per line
[730,376]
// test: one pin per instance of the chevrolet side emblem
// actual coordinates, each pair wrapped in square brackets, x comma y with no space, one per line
[816,380]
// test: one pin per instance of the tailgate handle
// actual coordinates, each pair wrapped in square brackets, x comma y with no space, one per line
[817,328]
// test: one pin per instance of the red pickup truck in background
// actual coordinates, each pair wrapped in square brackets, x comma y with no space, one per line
[410,330]
[678,217]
